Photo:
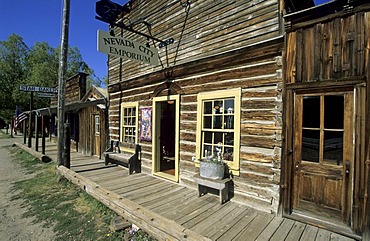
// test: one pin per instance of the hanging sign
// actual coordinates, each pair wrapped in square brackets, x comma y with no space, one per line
[126,48]
[29,88]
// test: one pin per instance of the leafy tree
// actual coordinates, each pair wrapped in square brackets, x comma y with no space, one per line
[36,66]
[13,71]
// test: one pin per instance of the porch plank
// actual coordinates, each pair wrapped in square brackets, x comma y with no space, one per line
[270,229]
[211,230]
[114,185]
[103,171]
[194,211]
[187,207]
[255,228]
[136,186]
[323,235]
[283,230]
[168,199]
[140,192]
[161,194]
[309,233]
[230,225]
[112,182]
[296,231]
[223,211]
[239,226]
[193,222]
[175,205]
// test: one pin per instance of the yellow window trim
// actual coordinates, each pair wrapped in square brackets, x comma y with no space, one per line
[234,166]
[155,136]
[129,105]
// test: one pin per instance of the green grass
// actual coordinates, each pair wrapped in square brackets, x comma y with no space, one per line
[4,135]
[57,203]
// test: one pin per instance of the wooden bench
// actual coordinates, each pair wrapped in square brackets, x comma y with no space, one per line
[221,185]
[131,160]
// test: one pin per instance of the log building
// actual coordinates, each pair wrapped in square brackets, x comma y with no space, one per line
[280,87]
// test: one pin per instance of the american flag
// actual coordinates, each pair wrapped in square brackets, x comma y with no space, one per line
[19,117]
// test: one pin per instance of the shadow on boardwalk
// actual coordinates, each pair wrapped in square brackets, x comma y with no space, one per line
[170,211]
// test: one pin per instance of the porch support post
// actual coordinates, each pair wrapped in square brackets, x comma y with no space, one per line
[43,135]
[36,132]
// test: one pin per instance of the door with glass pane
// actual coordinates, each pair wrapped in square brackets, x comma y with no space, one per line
[323,156]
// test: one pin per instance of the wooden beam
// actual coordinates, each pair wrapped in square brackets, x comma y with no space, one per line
[40,156]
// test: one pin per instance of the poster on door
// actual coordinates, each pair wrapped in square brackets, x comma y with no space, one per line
[145,132]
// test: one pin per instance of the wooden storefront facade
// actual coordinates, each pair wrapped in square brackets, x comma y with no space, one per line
[86,113]
[218,85]
[286,105]
[325,172]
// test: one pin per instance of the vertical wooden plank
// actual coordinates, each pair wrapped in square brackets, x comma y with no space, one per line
[317,58]
[299,55]
[308,57]
[290,56]
[337,49]
[43,134]
[366,213]
[363,35]
[298,108]
[327,50]
[36,133]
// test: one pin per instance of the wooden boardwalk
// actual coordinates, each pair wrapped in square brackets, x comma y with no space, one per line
[170,211]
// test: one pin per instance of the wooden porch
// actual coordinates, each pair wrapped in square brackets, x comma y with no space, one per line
[169,211]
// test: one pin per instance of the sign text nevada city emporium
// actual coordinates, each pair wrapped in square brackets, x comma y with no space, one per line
[126,48]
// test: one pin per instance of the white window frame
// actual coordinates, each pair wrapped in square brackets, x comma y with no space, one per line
[129,146]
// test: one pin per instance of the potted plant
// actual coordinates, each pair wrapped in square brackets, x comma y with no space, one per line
[212,167]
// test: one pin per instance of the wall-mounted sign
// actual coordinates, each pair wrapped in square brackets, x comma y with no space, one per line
[126,48]
[28,88]
[145,132]
[45,95]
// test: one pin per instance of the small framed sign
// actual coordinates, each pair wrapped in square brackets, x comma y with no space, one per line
[145,132]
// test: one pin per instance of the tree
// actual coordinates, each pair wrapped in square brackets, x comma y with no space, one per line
[36,66]
[13,71]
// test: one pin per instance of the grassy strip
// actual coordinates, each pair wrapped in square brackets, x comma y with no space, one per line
[56,202]
[3,135]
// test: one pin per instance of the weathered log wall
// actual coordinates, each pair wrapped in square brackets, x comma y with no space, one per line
[75,89]
[209,28]
[257,71]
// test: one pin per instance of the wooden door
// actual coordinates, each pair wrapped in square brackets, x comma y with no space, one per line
[324,156]
[97,135]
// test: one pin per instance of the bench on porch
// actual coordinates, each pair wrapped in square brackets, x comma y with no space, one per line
[221,185]
[130,160]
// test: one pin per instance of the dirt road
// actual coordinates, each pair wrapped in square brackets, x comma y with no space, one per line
[12,225]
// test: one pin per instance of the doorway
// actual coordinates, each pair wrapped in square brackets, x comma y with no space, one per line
[323,157]
[166,137]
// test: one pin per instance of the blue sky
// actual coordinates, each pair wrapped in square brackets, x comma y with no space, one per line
[40,21]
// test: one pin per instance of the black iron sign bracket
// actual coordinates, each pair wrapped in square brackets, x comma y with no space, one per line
[109,11]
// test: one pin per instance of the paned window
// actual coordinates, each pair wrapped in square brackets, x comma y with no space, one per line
[129,123]
[323,128]
[219,126]
[97,124]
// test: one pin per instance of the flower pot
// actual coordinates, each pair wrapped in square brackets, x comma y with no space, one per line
[211,170]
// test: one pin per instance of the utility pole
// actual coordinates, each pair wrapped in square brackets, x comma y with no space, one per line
[61,81]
